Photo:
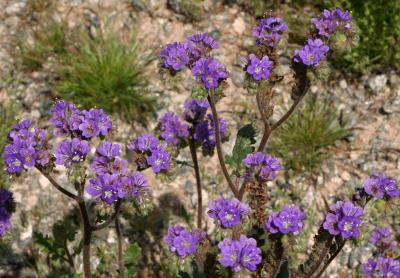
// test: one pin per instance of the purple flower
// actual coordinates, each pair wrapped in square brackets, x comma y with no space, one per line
[269,31]
[200,44]
[237,254]
[5,196]
[159,160]
[383,240]
[264,166]
[172,129]
[312,53]
[61,112]
[381,267]
[195,110]
[104,187]
[288,220]
[144,143]
[210,72]
[109,150]
[259,69]
[228,213]
[175,55]
[330,21]
[71,151]
[132,185]
[5,223]
[183,242]
[344,218]
[381,186]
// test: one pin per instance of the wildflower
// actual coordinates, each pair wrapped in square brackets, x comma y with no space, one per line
[288,220]
[381,186]
[269,31]
[312,53]
[195,110]
[259,69]
[383,240]
[228,213]
[330,21]
[344,218]
[183,242]
[381,267]
[210,72]
[175,55]
[172,129]
[239,253]
[263,166]
[71,151]
[159,160]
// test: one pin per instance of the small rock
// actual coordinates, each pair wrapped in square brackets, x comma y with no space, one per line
[343,84]
[15,9]
[239,26]
[378,82]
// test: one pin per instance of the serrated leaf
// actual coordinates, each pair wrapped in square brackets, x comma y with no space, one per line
[245,139]
[63,230]
[45,242]
[131,258]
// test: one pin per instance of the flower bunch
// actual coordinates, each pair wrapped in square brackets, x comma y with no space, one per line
[149,152]
[331,21]
[383,240]
[240,253]
[381,267]
[381,186]
[172,129]
[6,200]
[258,69]
[262,166]
[269,31]
[204,133]
[194,54]
[29,147]
[312,53]
[112,178]
[344,218]
[288,220]
[183,242]
[69,121]
[228,213]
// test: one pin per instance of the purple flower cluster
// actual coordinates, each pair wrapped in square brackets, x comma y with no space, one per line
[71,151]
[183,242]
[172,129]
[85,124]
[381,186]
[204,132]
[195,110]
[150,153]
[194,54]
[239,253]
[312,53]
[288,220]
[383,240]
[5,223]
[28,148]
[343,219]
[269,31]
[227,213]
[330,21]
[112,178]
[210,72]
[259,69]
[382,267]
[264,166]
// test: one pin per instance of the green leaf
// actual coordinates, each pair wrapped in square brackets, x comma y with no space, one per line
[45,242]
[245,140]
[63,230]
[131,258]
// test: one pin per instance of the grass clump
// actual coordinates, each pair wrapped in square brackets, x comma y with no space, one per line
[8,114]
[303,141]
[105,72]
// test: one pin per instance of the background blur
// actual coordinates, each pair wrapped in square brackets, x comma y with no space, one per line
[104,53]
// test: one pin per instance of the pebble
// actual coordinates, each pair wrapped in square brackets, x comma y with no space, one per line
[239,26]
[378,82]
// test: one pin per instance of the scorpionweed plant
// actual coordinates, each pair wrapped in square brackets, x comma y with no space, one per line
[249,238]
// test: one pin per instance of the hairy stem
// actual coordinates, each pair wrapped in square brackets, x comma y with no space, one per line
[87,236]
[121,266]
[193,153]
[331,259]
[211,100]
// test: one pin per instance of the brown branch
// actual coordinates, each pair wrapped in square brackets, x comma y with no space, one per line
[121,266]
[57,186]
[192,147]
[211,100]
[69,257]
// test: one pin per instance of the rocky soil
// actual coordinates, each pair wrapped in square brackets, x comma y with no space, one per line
[371,105]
